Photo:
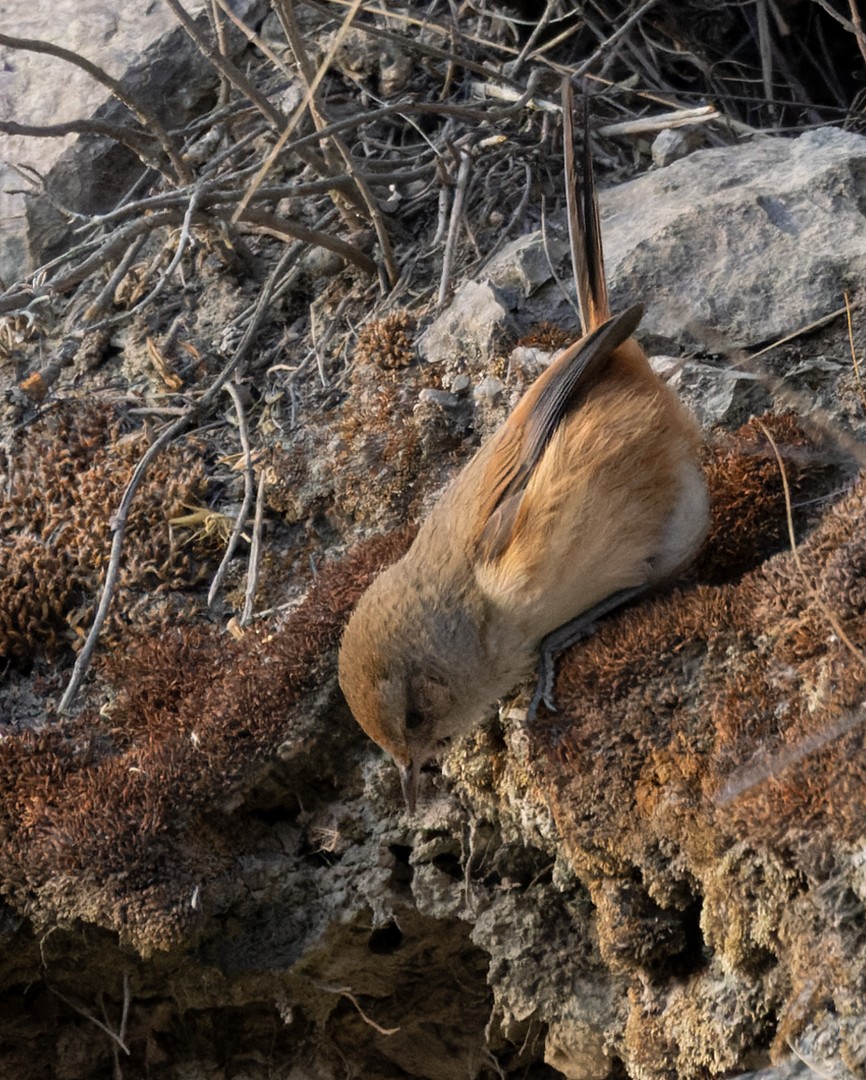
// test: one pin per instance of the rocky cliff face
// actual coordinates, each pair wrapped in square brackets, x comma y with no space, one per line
[206,868]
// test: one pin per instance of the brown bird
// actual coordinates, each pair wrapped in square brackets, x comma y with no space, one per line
[590,493]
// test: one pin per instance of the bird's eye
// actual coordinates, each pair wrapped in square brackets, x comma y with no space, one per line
[414,719]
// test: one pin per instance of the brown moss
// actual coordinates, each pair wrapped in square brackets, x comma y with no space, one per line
[380,451]
[287,473]
[749,517]
[120,817]
[546,336]
[61,482]
[385,342]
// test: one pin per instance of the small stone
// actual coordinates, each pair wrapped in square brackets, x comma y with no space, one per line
[490,389]
[672,144]
[474,327]
[530,361]
[666,366]
[440,399]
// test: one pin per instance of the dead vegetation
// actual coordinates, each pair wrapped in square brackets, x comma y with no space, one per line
[117,818]
[371,162]
[61,481]
[288,243]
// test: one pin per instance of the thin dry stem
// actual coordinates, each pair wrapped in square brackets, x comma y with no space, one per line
[807,329]
[288,128]
[117,1037]
[255,552]
[645,125]
[855,362]
[857,24]
[283,228]
[249,484]
[286,13]
[345,992]
[613,38]
[118,526]
[463,173]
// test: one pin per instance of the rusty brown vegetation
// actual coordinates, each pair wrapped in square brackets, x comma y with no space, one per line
[60,483]
[104,808]
[118,818]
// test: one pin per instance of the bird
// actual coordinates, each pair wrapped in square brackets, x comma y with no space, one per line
[589,494]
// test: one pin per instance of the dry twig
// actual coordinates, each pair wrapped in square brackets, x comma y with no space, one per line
[854,361]
[463,172]
[118,526]
[243,513]
[255,553]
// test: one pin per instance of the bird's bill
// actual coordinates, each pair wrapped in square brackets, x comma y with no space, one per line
[409,774]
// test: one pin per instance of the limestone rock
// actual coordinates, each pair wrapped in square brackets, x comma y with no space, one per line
[745,242]
[146,51]
[473,328]
[728,247]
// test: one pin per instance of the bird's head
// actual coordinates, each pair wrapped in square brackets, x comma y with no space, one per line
[399,683]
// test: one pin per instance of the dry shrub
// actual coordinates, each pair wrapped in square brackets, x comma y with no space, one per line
[546,336]
[385,342]
[380,449]
[749,517]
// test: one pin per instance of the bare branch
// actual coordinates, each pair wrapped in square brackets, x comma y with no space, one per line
[249,480]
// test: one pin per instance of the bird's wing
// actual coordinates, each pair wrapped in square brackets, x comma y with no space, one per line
[520,443]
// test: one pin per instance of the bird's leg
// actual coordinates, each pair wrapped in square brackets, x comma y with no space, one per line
[566,635]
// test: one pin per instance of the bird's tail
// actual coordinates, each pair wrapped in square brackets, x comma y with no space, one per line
[584,228]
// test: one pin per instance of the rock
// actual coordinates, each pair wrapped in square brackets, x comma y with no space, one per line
[523,266]
[530,361]
[440,399]
[674,143]
[733,246]
[489,390]
[725,396]
[473,329]
[744,243]
[36,89]
[577,1052]
[146,51]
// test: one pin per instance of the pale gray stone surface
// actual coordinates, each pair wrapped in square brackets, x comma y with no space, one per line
[473,327]
[38,89]
[727,248]
[746,242]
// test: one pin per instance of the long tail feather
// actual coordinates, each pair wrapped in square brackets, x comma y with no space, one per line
[584,227]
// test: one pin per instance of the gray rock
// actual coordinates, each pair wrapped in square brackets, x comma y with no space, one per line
[729,247]
[146,51]
[674,143]
[474,328]
[41,90]
[441,399]
[743,243]
[577,1051]
[490,389]
[723,396]
[523,266]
